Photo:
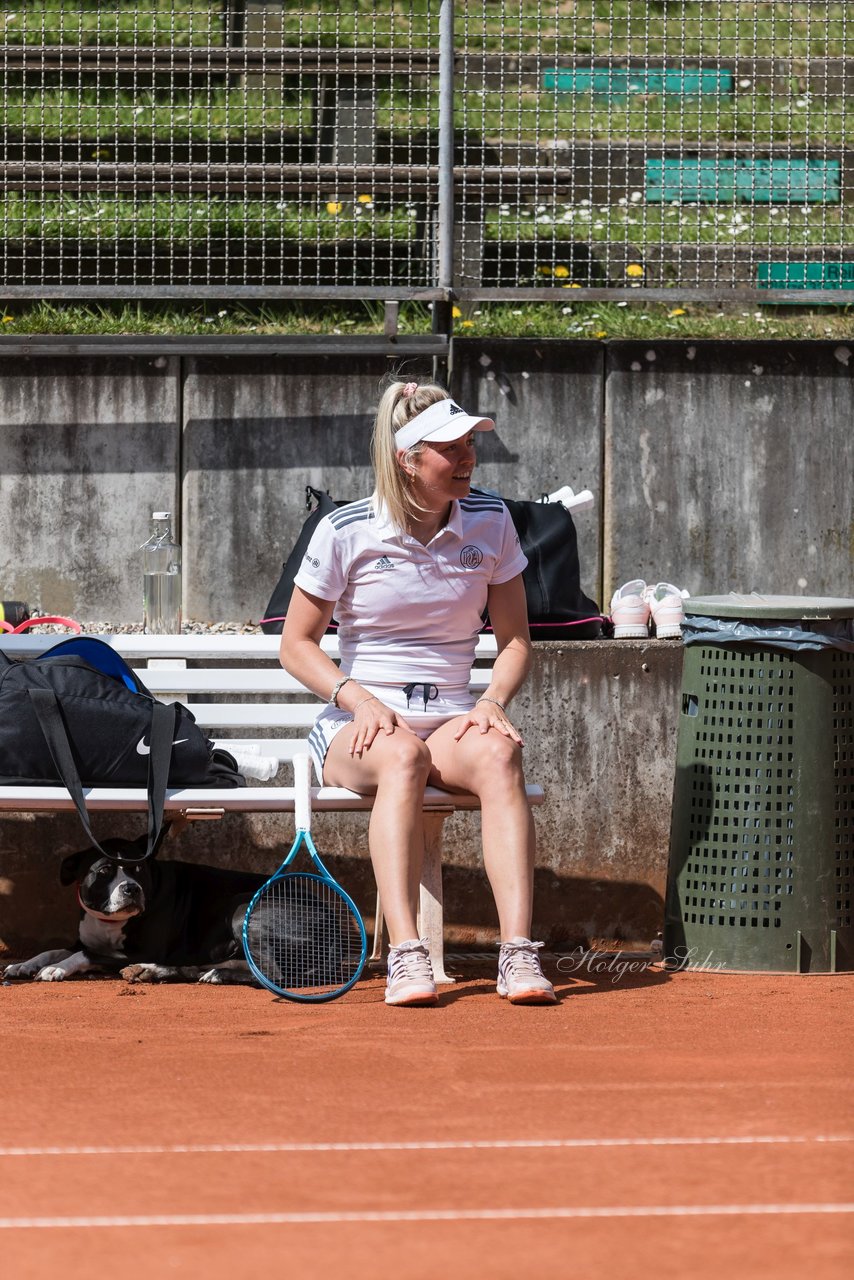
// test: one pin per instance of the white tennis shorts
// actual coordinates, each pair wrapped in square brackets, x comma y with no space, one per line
[424,707]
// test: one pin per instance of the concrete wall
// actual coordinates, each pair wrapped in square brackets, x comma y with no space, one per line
[716,465]
[88,449]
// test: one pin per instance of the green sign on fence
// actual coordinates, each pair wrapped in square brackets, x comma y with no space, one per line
[805,275]
[695,181]
[619,82]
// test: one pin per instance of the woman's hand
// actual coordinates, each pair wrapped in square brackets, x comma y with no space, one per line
[371,717]
[485,716]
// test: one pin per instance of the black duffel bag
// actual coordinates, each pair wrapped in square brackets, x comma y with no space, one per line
[274,615]
[557,607]
[78,716]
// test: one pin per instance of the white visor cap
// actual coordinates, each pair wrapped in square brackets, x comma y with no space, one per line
[444,420]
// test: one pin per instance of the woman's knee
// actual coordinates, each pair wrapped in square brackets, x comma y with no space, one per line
[497,760]
[406,755]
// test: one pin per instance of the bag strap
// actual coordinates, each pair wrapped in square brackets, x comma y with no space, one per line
[163,718]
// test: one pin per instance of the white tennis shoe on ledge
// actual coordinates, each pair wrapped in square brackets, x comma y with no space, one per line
[410,974]
[666,611]
[630,611]
[637,610]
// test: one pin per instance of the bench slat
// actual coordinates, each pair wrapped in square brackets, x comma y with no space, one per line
[243,680]
[236,799]
[228,648]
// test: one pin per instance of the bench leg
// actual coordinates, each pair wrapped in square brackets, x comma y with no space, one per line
[377,949]
[430,914]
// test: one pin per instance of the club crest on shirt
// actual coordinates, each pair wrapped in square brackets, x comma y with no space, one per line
[471,557]
[384,563]
[312,560]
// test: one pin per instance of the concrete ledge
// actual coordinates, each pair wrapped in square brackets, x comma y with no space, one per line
[599,719]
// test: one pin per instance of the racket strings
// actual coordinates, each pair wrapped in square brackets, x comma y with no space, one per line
[303,936]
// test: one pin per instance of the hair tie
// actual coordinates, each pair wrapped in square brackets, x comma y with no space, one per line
[409,390]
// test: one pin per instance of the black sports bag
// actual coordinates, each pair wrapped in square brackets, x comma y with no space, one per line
[79,716]
[274,617]
[557,607]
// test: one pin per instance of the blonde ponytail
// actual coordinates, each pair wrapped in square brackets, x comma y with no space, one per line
[398,405]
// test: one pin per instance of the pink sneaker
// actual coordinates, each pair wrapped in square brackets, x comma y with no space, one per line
[665,605]
[630,611]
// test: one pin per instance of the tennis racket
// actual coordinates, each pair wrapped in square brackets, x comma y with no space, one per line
[302,934]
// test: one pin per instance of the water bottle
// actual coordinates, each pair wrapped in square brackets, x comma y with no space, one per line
[161,578]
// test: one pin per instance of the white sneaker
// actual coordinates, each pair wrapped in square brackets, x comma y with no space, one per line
[520,978]
[665,606]
[630,611]
[410,974]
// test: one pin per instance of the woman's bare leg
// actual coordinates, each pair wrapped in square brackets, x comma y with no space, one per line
[394,770]
[490,766]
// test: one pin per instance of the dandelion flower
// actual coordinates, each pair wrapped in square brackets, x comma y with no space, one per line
[456,313]
[635,270]
[561,271]
[467,324]
[333,206]
[600,333]
[677,311]
[365,199]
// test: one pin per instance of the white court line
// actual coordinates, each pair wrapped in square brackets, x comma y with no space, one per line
[499,1144]
[422,1215]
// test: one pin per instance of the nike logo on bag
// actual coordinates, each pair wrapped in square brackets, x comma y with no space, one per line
[144,749]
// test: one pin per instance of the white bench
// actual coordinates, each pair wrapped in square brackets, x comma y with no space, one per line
[267,712]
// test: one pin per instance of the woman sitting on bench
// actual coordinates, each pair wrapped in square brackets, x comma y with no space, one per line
[408,573]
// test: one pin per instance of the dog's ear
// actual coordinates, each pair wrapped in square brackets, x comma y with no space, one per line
[76,865]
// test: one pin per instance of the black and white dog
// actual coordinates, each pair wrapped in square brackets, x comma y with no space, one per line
[151,921]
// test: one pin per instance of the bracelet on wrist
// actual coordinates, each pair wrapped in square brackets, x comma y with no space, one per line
[370,698]
[495,702]
[333,697]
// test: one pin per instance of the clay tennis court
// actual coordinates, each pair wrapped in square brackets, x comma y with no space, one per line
[685,1125]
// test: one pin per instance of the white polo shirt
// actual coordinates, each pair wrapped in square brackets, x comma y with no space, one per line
[406,611]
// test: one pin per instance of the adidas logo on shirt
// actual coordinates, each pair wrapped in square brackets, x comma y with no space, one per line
[384,563]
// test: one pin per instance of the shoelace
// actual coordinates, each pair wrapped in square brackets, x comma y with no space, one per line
[521,958]
[415,962]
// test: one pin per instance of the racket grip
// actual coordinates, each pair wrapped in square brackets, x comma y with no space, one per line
[302,792]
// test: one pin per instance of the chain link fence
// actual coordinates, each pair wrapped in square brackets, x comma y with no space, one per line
[404,148]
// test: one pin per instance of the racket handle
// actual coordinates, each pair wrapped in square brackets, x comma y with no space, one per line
[302,792]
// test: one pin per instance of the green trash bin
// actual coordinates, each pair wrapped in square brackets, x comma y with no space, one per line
[762,835]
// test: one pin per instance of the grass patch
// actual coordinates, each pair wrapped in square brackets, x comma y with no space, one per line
[554,228]
[185,221]
[245,115]
[533,320]
[763,28]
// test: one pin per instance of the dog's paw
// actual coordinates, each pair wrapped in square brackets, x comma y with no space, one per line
[26,969]
[212,976]
[230,974]
[51,973]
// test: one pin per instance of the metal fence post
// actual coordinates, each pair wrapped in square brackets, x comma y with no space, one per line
[442,311]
